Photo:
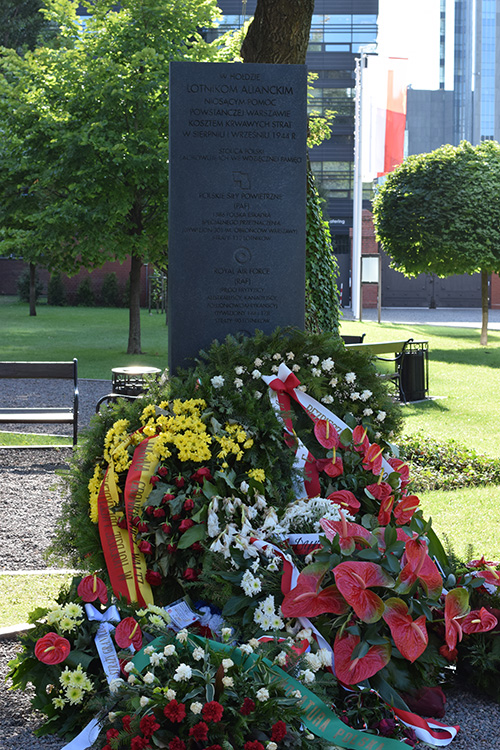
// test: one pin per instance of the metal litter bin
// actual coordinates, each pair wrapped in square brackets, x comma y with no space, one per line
[414,374]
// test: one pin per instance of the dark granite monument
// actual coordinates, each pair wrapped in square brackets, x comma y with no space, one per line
[237,202]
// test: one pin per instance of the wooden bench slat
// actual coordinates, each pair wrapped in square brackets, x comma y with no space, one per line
[40,416]
[381,347]
[36,370]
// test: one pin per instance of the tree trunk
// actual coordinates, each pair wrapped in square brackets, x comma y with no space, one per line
[484,305]
[134,328]
[279,32]
[32,289]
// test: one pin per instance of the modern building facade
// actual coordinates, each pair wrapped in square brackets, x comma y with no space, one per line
[339,28]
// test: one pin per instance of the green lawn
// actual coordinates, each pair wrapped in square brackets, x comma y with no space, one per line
[19,594]
[31,438]
[96,336]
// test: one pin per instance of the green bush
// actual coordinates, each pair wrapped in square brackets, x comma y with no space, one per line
[85,295]
[436,465]
[56,294]
[110,295]
[23,286]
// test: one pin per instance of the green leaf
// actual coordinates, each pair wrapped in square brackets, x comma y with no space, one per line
[195,534]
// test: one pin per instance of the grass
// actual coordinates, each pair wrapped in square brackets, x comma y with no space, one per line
[96,336]
[20,593]
[21,439]
[464,380]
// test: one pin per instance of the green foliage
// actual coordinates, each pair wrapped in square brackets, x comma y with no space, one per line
[22,25]
[440,212]
[56,294]
[110,295]
[322,296]
[446,465]
[84,294]
[23,286]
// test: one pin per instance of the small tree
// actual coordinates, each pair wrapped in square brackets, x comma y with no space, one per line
[440,213]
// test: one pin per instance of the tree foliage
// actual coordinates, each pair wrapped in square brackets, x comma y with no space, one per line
[440,213]
[86,124]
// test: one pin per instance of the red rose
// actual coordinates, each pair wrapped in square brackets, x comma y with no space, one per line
[185,524]
[196,547]
[191,574]
[136,520]
[142,526]
[188,504]
[278,731]
[153,578]
[150,510]
[148,725]
[201,474]
[145,547]
[128,633]
[175,711]
[91,588]
[159,513]
[167,498]
[212,711]
[176,744]
[126,722]
[166,528]
[176,517]
[179,482]
[247,707]
[162,472]
[200,731]
[52,649]
[154,480]
[122,523]
[171,549]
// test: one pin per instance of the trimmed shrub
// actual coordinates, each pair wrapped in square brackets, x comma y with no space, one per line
[110,295]
[56,294]
[85,295]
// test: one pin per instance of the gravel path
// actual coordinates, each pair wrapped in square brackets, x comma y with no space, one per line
[31,499]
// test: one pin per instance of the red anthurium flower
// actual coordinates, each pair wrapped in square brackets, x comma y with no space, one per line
[479,621]
[351,671]
[456,606]
[419,567]
[380,490]
[326,434]
[334,468]
[360,439]
[402,468]
[384,513]
[354,580]
[490,576]
[308,600]
[349,533]
[52,648]
[410,636]
[404,510]
[91,588]
[346,499]
[128,633]
[372,460]
[482,563]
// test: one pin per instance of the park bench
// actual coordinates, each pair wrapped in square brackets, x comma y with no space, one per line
[411,367]
[37,414]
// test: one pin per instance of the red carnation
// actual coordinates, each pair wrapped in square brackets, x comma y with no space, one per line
[112,733]
[214,747]
[52,649]
[278,731]
[247,707]
[145,547]
[153,578]
[188,504]
[176,744]
[200,732]
[175,711]
[126,722]
[128,633]
[201,474]
[148,725]
[139,743]
[91,588]
[212,711]
[253,745]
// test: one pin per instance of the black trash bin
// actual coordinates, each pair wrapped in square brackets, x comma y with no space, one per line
[414,373]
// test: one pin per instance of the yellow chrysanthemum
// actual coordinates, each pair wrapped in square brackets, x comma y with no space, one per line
[258,474]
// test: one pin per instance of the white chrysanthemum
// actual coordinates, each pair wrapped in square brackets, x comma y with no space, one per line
[257,616]
[196,707]
[267,606]
[262,695]
[314,359]
[333,382]
[313,661]
[74,695]
[65,677]
[316,372]
[198,653]
[266,622]
[66,624]
[325,656]
[217,381]
[354,396]
[365,395]
[183,673]
[250,584]
[54,616]
[169,650]
[276,623]
[58,702]
[381,416]
[350,377]
[367,412]
[328,364]
[155,620]
[73,610]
